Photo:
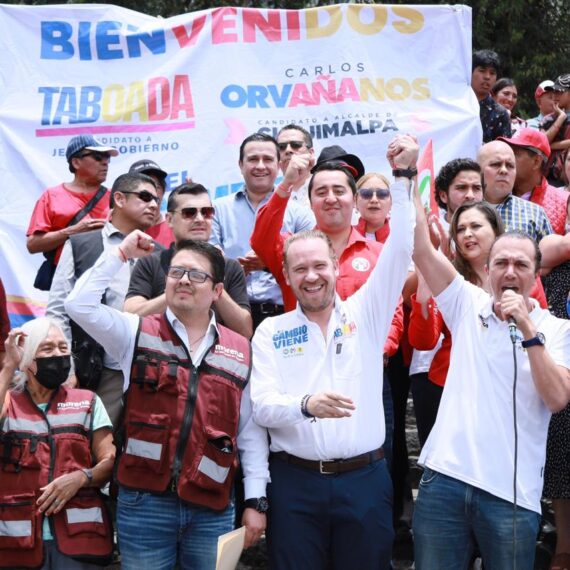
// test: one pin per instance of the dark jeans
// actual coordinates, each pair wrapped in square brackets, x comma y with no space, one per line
[426,396]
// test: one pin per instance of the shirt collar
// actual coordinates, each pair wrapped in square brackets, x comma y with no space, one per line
[212,326]
[110,230]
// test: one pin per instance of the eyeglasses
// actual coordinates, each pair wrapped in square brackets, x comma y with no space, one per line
[295,145]
[98,156]
[367,193]
[207,212]
[194,275]
[143,195]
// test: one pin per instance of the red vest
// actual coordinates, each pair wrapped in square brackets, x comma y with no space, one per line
[555,204]
[35,449]
[181,422]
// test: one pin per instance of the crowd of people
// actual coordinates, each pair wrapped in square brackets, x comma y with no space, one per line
[142,373]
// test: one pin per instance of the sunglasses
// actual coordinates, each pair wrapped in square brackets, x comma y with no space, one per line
[295,145]
[194,275]
[98,156]
[207,212]
[143,195]
[367,193]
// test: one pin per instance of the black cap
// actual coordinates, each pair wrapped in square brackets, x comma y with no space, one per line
[562,82]
[336,153]
[148,167]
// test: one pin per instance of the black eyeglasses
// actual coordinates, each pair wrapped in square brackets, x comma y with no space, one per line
[190,213]
[367,193]
[143,195]
[194,275]
[98,156]
[295,145]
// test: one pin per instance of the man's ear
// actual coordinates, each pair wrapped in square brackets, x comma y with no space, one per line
[284,269]
[218,290]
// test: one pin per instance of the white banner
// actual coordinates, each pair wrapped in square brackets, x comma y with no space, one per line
[187,90]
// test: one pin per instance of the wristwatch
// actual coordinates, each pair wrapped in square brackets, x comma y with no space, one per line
[537,340]
[89,474]
[405,172]
[261,505]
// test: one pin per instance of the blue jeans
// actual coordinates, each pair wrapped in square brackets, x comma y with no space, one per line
[450,516]
[157,530]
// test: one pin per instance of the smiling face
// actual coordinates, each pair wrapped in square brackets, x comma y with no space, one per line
[512,266]
[332,200]
[507,97]
[259,166]
[184,296]
[375,209]
[310,271]
[474,236]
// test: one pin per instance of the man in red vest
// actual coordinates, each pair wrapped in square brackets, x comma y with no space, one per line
[187,411]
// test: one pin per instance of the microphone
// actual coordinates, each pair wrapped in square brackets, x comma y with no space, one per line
[512,329]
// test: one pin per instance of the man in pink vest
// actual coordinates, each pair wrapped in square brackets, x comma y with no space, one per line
[532,151]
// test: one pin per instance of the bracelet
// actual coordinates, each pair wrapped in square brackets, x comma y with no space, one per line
[304,410]
[122,255]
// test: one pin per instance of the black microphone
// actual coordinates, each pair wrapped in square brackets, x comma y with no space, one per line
[512,329]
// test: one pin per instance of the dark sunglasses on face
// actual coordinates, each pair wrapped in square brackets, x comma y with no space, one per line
[98,156]
[367,193]
[194,275]
[143,195]
[190,213]
[295,145]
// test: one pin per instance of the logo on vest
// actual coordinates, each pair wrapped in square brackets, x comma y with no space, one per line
[288,341]
[344,331]
[360,264]
[229,352]
[75,405]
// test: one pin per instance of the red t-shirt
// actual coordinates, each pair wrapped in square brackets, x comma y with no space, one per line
[57,206]
[161,233]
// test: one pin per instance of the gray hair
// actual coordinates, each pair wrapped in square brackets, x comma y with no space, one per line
[36,331]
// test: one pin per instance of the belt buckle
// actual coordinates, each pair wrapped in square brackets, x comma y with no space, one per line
[266,308]
[172,487]
[322,464]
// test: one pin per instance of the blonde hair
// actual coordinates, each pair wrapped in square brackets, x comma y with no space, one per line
[36,331]
[368,176]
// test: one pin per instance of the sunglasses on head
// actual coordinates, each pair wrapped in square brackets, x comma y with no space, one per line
[194,275]
[367,193]
[143,195]
[95,155]
[207,212]
[295,145]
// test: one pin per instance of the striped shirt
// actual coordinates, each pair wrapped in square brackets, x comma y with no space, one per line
[522,216]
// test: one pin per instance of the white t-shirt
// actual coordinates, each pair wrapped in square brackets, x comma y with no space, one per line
[473,437]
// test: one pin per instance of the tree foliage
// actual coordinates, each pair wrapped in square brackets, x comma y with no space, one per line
[531,37]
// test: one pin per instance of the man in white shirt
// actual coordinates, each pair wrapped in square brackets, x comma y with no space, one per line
[317,386]
[503,344]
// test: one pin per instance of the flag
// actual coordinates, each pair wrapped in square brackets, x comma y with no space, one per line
[426,179]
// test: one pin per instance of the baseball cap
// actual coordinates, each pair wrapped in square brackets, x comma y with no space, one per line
[87,142]
[531,139]
[543,87]
[148,167]
[336,153]
[562,82]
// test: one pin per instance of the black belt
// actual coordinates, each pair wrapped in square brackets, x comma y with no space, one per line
[329,467]
[266,309]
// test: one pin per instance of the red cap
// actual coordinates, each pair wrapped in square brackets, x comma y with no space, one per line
[532,139]
[543,88]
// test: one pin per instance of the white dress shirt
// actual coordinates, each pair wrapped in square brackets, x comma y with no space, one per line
[291,358]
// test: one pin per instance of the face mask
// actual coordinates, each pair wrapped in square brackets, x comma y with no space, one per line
[53,371]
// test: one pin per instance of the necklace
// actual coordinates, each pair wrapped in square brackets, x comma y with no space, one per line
[195,342]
